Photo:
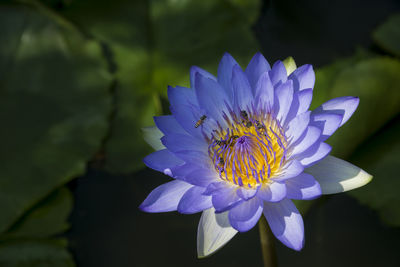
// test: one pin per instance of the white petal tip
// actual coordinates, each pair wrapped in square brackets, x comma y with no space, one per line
[336,175]
[213,233]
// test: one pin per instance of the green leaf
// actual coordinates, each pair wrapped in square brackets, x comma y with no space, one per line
[153,44]
[31,253]
[387,35]
[54,107]
[47,218]
[381,157]
[376,81]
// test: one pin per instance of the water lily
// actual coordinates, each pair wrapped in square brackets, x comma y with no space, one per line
[244,144]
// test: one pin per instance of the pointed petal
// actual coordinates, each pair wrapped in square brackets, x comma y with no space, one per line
[286,223]
[283,100]
[264,93]
[168,124]
[257,66]
[336,175]
[194,70]
[303,187]
[162,160]
[308,139]
[178,142]
[194,201]
[314,154]
[344,106]
[212,98]
[272,192]
[290,170]
[245,216]
[290,65]
[303,77]
[225,198]
[181,96]
[225,74]
[278,73]
[305,98]
[297,126]
[242,93]
[165,197]
[152,136]
[327,122]
[213,233]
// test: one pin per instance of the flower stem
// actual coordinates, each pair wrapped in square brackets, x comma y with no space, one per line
[267,244]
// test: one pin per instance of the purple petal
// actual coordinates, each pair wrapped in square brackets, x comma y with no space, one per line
[314,154]
[257,66]
[165,197]
[225,198]
[344,106]
[310,137]
[278,73]
[194,70]
[211,97]
[168,124]
[162,160]
[181,96]
[225,74]
[300,104]
[283,100]
[286,223]
[246,193]
[194,201]
[245,216]
[327,122]
[201,177]
[213,187]
[194,157]
[303,77]
[290,170]
[179,142]
[297,126]
[272,192]
[304,187]
[264,93]
[242,93]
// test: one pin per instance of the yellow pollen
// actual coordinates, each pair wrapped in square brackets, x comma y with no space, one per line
[250,151]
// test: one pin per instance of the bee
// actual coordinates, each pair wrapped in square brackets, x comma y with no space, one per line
[220,142]
[245,117]
[232,139]
[259,126]
[221,164]
[200,122]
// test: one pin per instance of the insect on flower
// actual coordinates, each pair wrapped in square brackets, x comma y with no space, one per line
[260,148]
[201,121]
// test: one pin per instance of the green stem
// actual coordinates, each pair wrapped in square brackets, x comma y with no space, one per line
[267,244]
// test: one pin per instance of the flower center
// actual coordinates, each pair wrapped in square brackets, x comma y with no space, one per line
[250,151]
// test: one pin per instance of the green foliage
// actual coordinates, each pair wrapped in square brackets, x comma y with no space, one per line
[35,253]
[54,108]
[382,156]
[387,35]
[153,45]
[376,82]
[47,218]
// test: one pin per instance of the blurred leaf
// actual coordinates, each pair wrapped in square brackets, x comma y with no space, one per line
[54,107]
[376,81]
[48,218]
[153,44]
[381,156]
[387,35]
[30,253]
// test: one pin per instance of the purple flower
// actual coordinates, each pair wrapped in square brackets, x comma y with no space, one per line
[242,145]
